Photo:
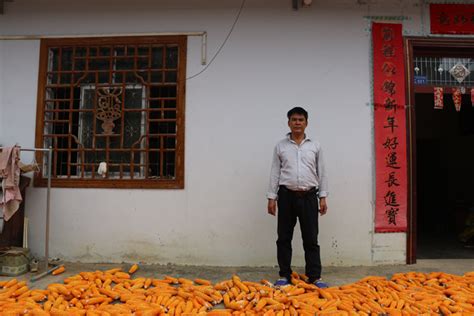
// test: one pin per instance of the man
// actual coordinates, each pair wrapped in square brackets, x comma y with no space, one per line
[297,180]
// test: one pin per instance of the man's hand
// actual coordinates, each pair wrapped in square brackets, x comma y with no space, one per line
[272,209]
[323,206]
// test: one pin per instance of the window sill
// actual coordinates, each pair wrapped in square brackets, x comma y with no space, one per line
[111,184]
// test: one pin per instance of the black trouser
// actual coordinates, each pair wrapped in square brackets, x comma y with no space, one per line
[304,206]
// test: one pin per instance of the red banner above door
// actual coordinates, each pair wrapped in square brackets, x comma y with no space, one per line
[452,18]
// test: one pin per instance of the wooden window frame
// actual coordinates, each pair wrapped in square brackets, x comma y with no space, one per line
[148,183]
[459,49]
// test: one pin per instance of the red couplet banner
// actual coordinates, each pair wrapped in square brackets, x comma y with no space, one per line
[452,18]
[390,131]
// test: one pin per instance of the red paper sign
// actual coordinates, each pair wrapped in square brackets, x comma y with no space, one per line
[438,98]
[452,18]
[390,131]
[457,98]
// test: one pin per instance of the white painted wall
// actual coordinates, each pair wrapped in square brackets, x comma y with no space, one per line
[235,113]
[2,124]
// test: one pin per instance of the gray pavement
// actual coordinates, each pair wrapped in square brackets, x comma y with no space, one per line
[335,276]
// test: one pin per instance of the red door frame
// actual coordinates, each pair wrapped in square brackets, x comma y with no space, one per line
[436,46]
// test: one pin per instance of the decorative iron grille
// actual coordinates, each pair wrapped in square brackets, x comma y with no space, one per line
[443,71]
[113,100]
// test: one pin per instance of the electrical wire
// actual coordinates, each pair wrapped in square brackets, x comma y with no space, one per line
[223,43]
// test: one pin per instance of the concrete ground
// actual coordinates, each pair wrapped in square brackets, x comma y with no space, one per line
[335,276]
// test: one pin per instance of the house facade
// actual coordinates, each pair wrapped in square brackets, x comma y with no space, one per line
[184,101]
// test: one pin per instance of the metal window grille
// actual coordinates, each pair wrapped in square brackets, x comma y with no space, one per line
[117,101]
[436,71]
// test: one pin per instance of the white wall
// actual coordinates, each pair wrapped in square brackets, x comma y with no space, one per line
[235,113]
[2,124]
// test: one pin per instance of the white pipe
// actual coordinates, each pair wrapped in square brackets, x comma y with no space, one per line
[203,35]
[204,49]
[48,206]
[38,37]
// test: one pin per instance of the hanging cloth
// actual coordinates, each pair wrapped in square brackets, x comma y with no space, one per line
[472,96]
[29,167]
[10,172]
[457,97]
[438,98]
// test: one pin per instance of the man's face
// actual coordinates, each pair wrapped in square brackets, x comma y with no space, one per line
[297,123]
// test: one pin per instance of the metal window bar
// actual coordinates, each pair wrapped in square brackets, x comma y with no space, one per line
[436,70]
[63,105]
[48,198]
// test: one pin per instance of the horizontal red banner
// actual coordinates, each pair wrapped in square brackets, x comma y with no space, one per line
[452,18]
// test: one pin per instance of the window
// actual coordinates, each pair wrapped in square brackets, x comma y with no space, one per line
[116,100]
[443,71]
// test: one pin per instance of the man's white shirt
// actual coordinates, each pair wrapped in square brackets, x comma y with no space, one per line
[298,167]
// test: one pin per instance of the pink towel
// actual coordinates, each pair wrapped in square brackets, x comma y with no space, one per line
[10,172]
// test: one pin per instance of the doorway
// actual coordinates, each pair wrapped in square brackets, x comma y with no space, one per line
[441,158]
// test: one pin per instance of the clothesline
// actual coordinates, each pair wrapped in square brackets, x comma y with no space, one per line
[31,149]
[48,196]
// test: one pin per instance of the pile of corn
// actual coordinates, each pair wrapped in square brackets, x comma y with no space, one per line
[115,292]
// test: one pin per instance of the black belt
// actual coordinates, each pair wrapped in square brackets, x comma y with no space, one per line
[300,193]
